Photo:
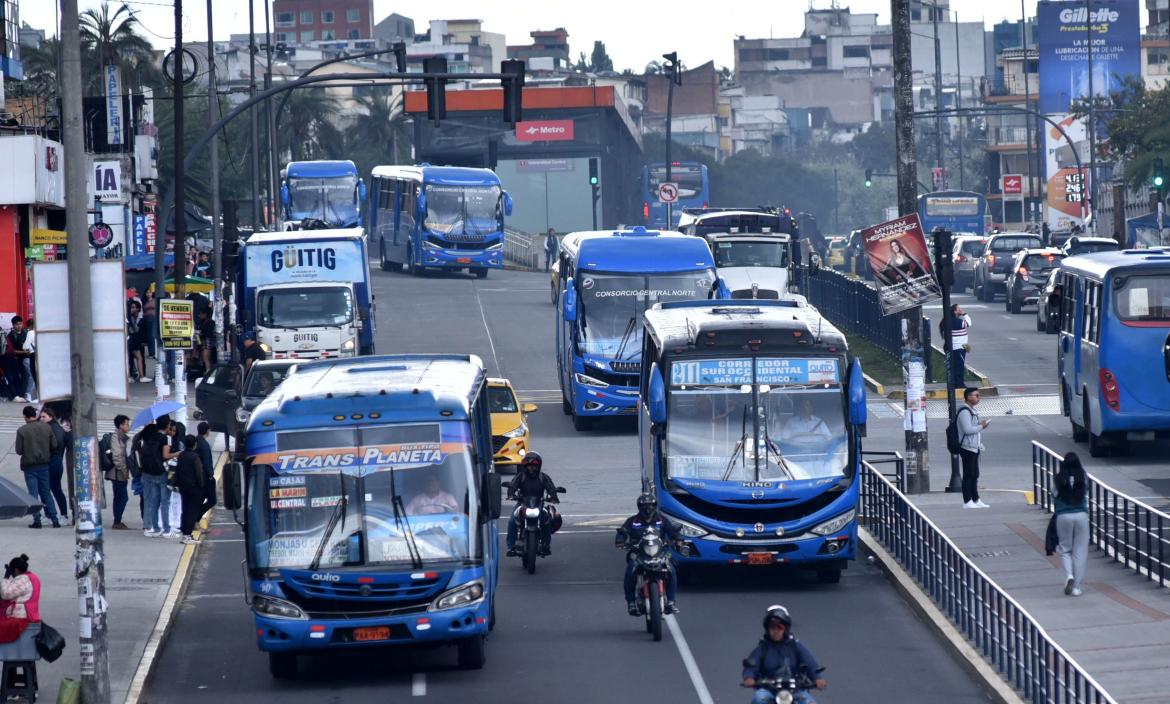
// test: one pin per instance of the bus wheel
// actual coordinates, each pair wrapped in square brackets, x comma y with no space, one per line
[582,423]
[480,273]
[829,575]
[282,666]
[385,265]
[410,268]
[1098,447]
[566,407]
[471,653]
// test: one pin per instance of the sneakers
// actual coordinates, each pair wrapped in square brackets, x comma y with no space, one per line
[19,399]
[146,379]
[1077,591]
[172,533]
[152,533]
[56,523]
[1068,586]
[35,526]
[980,504]
[970,504]
[632,608]
[189,540]
[671,607]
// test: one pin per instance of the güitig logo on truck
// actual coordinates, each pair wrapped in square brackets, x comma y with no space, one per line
[293,257]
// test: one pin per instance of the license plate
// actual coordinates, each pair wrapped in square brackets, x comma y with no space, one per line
[372,633]
[759,558]
[463,260]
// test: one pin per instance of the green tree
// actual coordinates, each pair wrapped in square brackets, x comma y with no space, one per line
[379,134]
[1134,117]
[599,60]
[112,38]
[306,127]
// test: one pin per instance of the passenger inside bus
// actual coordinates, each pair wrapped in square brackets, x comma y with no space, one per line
[803,427]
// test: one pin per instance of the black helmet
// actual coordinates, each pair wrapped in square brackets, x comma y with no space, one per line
[532,459]
[778,613]
[647,500]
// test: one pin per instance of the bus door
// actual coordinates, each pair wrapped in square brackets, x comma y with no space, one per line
[1078,338]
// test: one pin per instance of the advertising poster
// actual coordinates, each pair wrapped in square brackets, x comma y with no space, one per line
[176,323]
[900,262]
[1066,28]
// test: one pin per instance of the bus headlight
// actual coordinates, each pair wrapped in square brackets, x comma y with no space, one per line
[277,608]
[496,247]
[427,244]
[462,595]
[518,432]
[586,380]
[348,345]
[688,530]
[835,524]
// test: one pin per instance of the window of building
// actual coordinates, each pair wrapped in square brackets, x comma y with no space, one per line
[286,19]
[306,17]
[353,14]
[308,36]
[282,37]
[327,34]
[326,16]
[354,34]
[857,52]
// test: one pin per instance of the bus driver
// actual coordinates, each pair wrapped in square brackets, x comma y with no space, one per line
[803,427]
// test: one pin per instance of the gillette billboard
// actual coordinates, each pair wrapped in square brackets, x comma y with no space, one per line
[1065,29]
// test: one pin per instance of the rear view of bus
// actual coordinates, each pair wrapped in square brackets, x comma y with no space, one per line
[370,508]
[691,177]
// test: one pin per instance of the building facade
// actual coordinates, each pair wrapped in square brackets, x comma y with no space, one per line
[299,21]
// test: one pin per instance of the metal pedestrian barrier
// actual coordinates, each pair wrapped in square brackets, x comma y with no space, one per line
[522,249]
[1129,531]
[852,304]
[987,616]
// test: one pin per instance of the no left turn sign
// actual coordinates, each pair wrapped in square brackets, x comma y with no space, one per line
[668,192]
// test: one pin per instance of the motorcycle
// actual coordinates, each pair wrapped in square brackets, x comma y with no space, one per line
[784,689]
[532,515]
[652,569]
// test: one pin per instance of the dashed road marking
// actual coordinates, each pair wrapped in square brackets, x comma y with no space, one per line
[688,659]
[418,685]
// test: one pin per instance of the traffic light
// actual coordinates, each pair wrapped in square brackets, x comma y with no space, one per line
[593,180]
[944,265]
[399,49]
[513,69]
[1157,178]
[868,178]
[671,67]
[436,88]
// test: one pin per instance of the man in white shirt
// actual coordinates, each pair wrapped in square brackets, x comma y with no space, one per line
[803,427]
[433,500]
[960,328]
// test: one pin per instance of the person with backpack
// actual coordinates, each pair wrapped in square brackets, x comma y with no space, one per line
[113,457]
[1072,522]
[189,480]
[156,495]
[968,432]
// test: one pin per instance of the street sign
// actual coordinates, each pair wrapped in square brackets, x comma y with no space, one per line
[668,192]
[176,323]
[100,234]
[1013,184]
[544,131]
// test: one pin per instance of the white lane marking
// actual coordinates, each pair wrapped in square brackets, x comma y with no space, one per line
[1013,339]
[418,685]
[483,317]
[196,597]
[225,540]
[688,659]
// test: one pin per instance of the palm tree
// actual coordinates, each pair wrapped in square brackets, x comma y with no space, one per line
[306,125]
[379,132]
[114,39]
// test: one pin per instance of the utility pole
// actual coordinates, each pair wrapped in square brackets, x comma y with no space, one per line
[672,64]
[1028,192]
[959,105]
[180,242]
[93,643]
[273,178]
[938,121]
[836,204]
[255,118]
[1091,191]
[216,227]
[913,365]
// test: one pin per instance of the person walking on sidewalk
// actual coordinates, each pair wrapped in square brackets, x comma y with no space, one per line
[35,444]
[204,449]
[550,248]
[119,475]
[960,331]
[189,479]
[154,481]
[970,445]
[57,461]
[1072,522]
[14,356]
[30,360]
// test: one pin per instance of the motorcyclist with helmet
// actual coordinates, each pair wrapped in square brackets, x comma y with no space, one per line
[779,655]
[628,536]
[530,481]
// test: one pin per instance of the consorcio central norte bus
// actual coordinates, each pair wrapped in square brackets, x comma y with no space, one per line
[749,432]
[371,508]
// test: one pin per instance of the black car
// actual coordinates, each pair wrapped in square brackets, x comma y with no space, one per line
[225,401]
[1029,272]
[1047,314]
[995,263]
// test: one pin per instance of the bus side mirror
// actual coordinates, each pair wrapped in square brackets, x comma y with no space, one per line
[361,191]
[656,396]
[492,499]
[857,409]
[507,204]
[284,194]
[569,309]
[722,292]
[233,477]
[421,203]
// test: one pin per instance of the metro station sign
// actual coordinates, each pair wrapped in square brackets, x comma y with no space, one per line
[544,131]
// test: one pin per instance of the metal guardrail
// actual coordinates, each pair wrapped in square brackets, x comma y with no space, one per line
[995,623]
[1129,531]
[852,304]
[894,458]
[523,249]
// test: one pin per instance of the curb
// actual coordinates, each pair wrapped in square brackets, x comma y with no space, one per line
[998,690]
[873,385]
[984,380]
[941,394]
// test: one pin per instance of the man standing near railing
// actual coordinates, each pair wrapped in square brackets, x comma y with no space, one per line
[960,329]
[550,248]
[970,428]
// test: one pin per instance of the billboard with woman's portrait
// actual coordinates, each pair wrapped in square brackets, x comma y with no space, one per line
[900,262]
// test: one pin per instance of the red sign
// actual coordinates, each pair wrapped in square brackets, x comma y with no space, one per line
[544,131]
[1013,185]
[149,211]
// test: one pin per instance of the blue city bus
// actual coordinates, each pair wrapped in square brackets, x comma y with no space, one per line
[750,432]
[328,191]
[438,217]
[608,282]
[371,508]
[1113,352]
[691,177]
[955,211]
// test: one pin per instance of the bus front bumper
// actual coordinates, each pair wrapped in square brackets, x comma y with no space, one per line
[436,257]
[607,401]
[807,549]
[280,635]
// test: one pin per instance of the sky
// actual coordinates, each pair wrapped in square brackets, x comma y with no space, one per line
[634,32]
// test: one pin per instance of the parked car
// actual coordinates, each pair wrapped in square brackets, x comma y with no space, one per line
[1088,245]
[1029,272]
[965,253]
[837,253]
[226,402]
[995,262]
[509,423]
[1047,314]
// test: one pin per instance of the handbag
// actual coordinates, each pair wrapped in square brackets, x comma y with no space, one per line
[1051,539]
[50,644]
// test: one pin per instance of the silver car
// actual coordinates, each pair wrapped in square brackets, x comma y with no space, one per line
[964,254]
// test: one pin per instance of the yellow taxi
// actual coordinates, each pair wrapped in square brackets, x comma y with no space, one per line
[837,253]
[509,425]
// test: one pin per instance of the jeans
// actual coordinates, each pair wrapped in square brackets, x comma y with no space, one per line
[56,474]
[32,379]
[545,533]
[36,481]
[120,500]
[157,496]
[1073,530]
[763,696]
[970,462]
[631,581]
[192,499]
[959,368]
[147,324]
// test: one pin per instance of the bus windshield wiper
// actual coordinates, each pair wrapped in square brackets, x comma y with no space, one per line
[337,515]
[771,446]
[739,447]
[402,522]
[626,337]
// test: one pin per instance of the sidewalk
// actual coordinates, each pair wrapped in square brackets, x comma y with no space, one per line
[1119,631]
[139,571]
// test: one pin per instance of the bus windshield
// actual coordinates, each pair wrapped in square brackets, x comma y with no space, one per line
[732,254]
[330,199]
[412,504]
[462,210]
[740,429]
[611,307]
[305,307]
[1144,298]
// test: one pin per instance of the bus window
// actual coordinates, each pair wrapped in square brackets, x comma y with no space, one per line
[1144,298]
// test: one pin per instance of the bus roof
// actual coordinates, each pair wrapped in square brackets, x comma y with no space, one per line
[1100,265]
[643,251]
[441,175]
[320,169]
[400,388]
[677,325]
[348,233]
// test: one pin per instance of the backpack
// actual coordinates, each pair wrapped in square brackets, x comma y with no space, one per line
[106,452]
[954,441]
[150,457]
